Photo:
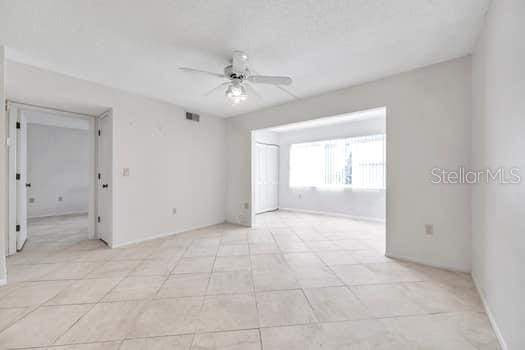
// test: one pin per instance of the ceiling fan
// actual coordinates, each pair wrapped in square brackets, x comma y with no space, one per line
[239,78]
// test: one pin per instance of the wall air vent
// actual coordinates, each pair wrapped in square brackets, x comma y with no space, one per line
[192,116]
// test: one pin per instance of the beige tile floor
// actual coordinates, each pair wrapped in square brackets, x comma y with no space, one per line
[295,281]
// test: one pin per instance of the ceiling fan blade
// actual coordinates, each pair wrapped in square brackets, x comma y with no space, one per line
[193,70]
[286,91]
[216,88]
[267,79]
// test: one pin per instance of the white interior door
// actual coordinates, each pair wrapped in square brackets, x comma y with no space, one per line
[21,183]
[261,178]
[266,165]
[12,236]
[104,176]
[267,177]
[273,177]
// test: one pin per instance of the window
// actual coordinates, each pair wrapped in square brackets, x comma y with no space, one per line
[358,162]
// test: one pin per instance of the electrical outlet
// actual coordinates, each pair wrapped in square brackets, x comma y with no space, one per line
[429,229]
[125,172]
[60,199]
[173,211]
[31,200]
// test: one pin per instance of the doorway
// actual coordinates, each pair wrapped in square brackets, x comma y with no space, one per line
[54,160]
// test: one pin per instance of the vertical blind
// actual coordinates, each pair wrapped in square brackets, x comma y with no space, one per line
[358,162]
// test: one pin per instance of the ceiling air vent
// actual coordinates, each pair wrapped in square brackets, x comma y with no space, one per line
[192,116]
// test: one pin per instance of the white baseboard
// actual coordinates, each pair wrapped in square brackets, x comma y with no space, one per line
[490,315]
[354,217]
[426,263]
[20,246]
[123,244]
[237,223]
[267,211]
[58,214]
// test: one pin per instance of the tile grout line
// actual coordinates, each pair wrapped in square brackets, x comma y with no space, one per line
[198,321]
[94,305]
[148,301]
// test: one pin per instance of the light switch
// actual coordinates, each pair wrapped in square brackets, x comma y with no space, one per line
[125,172]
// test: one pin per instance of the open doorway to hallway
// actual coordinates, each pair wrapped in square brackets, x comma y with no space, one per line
[324,176]
[56,175]
[58,179]
[63,229]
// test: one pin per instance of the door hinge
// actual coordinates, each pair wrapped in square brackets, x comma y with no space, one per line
[99,132]
[6,106]
[98,218]
[18,125]
[18,176]
[17,228]
[99,176]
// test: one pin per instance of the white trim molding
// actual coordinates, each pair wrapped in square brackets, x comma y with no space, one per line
[166,234]
[490,315]
[353,217]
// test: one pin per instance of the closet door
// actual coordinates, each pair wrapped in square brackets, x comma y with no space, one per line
[267,177]
[272,186]
[260,178]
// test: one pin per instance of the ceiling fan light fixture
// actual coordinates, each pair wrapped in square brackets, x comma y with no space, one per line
[236,93]
[238,99]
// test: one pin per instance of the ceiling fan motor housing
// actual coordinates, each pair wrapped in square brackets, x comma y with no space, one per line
[229,73]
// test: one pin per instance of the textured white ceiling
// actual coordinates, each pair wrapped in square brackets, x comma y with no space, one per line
[137,45]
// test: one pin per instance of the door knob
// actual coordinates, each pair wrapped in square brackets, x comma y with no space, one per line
[28,184]
[105,186]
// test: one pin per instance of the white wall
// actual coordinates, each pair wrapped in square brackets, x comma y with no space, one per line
[3,171]
[174,163]
[365,204]
[57,167]
[498,139]
[427,121]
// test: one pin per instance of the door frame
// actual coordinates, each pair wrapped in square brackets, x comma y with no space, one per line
[14,110]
